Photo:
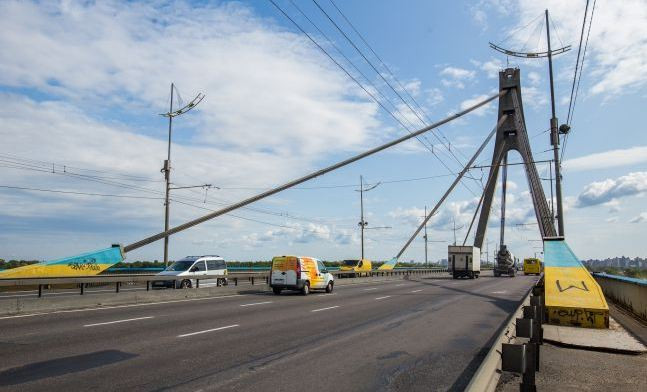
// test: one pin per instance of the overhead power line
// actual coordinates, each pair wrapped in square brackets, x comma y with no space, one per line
[300,28]
[80,193]
[380,74]
[579,78]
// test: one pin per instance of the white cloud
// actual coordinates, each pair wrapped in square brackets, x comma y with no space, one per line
[605,191]
[274,106]
[607,159]
[534,78]
[434,96]
[483,110]
[412,216]
[491,67]
[642,217]
[616,57]
[457,73]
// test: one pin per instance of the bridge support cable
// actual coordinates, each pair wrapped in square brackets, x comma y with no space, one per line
[514,136]
[453,185]
[423,139]
[310,176]
[504,186]
[476,211]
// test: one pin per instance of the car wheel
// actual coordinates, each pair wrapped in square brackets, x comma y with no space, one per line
[329,288]
[276,290]
[306,289]
[186,284]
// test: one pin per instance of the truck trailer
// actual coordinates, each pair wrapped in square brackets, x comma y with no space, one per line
[464,261]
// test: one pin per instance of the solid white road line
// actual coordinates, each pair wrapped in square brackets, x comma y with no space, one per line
[371,288]
[415,291]
[207,330]
[257,303]
[386,296]
[330,307]
[119,321]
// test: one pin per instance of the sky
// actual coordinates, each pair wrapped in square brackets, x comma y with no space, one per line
[83,84]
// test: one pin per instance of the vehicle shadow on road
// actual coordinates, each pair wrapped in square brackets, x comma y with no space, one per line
[60,366]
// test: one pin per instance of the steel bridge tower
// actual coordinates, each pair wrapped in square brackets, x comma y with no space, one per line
[512,135]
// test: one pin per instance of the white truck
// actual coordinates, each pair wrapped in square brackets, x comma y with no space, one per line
[464,261]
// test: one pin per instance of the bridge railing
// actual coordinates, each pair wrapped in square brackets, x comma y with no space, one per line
[630,293]
[82,282]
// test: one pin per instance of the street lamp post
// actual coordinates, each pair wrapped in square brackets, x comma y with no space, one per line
[362,223]
[167,163]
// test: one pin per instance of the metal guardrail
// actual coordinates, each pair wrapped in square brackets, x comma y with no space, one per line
[118,280]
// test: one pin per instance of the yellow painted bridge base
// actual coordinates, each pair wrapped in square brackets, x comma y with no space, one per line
[572,296]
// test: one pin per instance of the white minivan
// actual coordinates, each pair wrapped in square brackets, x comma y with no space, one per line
[192,267]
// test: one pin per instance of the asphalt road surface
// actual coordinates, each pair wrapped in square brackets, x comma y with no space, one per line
[427,334]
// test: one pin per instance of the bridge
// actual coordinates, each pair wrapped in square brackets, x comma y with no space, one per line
[67,327]
[405,329]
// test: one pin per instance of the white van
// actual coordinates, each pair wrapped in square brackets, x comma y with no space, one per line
[299,273]
[192,267]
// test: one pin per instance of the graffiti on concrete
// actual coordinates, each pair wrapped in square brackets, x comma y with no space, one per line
[572,286]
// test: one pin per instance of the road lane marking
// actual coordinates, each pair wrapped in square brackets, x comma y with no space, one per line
[207,330]
[330,307]
[121,306]
[386,296]
[499,292]
[415,291]
[119,321]
[401,284]
[371,288]
[257,303]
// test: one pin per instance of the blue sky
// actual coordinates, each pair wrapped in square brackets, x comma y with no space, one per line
[82,84]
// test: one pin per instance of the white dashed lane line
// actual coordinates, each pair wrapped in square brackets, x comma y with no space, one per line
[119,321]
[208,330]
[328,308]
[386,296]
[257,303]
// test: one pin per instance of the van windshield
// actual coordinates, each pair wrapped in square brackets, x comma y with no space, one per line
[351,263]
[180,265]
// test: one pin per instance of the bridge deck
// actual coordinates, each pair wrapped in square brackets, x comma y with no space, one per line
[573,297]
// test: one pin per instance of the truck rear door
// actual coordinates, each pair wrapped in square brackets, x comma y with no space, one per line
[284,271]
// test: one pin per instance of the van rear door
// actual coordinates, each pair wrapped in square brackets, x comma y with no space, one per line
[284,271]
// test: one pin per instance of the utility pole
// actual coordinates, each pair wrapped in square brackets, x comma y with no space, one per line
[456,228]
[425,237]
[167,177]
[167,163]
[362,223]
[554,137]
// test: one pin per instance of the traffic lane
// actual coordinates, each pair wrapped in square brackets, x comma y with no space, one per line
[150,347]
[60,331]
[258,342]
[31,321]
[30,329]
[369,350]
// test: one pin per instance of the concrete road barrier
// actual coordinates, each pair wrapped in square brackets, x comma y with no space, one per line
[630,293]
